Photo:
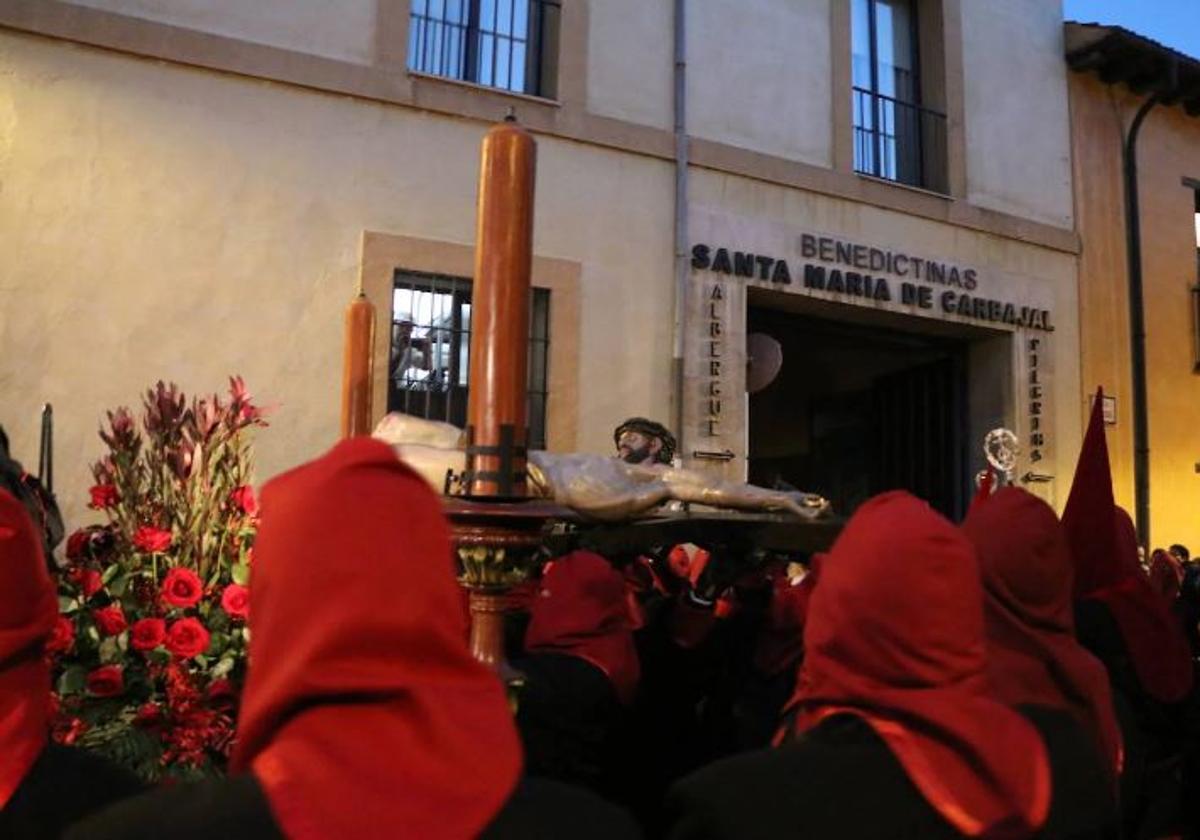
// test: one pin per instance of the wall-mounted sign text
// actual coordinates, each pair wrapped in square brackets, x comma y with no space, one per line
[714,358]
[873,274]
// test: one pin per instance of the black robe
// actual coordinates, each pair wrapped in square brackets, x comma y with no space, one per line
[841,780]
[569,719]
[64,784]
[1160,786]
[236,808]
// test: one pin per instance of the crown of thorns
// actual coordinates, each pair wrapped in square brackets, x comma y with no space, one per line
[650,429]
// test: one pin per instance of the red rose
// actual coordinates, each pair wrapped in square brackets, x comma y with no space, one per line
[62,636]
[77,545]
[147,633]
[243,499]
[104,496]
[89,582]
[187,638]
[106,681]
[182,588]
[110,620]
[235,600]
[152,540]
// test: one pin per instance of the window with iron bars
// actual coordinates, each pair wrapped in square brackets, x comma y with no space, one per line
[506,44]
[431,345]
[895,136]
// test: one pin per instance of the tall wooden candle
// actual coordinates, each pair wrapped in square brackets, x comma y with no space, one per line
[358,367]
[496,408]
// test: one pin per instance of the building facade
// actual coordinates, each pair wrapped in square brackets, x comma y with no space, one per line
[870,195]
[1117,72]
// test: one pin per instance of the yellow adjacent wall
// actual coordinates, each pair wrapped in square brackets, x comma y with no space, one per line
[1169,149]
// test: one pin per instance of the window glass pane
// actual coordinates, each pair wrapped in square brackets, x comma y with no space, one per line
[894,49]
[504,17]
[860,31]
[503,57]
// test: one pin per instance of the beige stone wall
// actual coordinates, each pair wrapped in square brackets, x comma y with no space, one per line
[165,222]
[1017,139]
[636,82]
[1169,149]
[345,29]
[758,76]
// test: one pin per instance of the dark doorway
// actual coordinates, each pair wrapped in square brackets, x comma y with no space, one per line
[857,410]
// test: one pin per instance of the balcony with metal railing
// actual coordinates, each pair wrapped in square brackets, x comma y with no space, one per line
[899,141]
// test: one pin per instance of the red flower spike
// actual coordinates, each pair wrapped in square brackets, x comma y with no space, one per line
[152,540]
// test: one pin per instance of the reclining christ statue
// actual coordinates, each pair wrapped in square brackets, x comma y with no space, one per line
[598,486]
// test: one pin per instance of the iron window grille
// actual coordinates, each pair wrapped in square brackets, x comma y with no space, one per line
[895,136]
[428,368]
[505,44]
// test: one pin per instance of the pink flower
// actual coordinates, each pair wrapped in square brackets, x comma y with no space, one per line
[182,588]
[235,600]
[110,620]
[243,499]
[152,540]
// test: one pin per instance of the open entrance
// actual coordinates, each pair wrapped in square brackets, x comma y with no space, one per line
[859,407]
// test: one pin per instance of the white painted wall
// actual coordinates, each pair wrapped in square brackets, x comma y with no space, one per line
[1018,132]
[168,222]
[344,29]
[759,76]
[631,60]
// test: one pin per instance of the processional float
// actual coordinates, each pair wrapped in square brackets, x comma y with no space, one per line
[506,504]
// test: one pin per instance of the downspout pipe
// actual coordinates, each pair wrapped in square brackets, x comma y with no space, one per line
[1137,312]
[682,269]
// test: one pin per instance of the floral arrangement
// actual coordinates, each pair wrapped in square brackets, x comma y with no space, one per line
[149,650]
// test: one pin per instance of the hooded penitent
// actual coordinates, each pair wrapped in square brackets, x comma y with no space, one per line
[28,609]
[364,714]
[581,610]
[1104,551]
[1033,656]
[895,636]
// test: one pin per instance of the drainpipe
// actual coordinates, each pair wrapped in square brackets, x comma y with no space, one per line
[682,269]
[1137,312]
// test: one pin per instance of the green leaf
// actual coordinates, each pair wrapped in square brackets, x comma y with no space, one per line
[202,661]
[119,585]
[109,651]
[241,574]
[67,605]
[222,668]
[109,573]
[72,680]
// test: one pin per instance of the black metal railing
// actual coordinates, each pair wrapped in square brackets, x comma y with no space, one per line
[506,44]
[428,370]
[899,141]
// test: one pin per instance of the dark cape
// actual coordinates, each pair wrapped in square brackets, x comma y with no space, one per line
[236,808]
[64,785]
[841,780]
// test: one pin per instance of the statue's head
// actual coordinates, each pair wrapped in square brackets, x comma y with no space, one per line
[642,441]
